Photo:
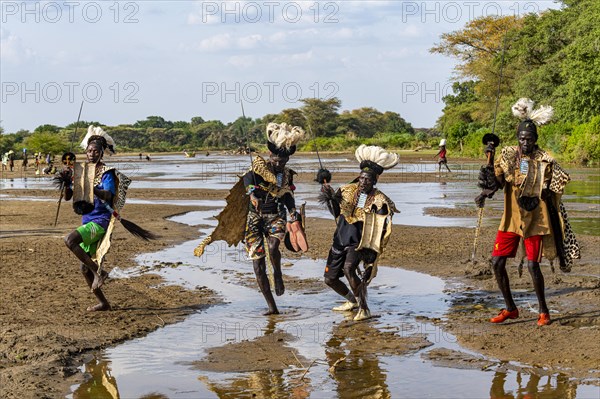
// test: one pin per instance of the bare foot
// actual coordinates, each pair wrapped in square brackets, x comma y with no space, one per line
[279,287]
[99,280]
[270,312]
[99,307]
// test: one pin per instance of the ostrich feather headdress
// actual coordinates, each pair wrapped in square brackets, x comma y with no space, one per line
[282,138]
[530,118]
[375,158]
[95,133]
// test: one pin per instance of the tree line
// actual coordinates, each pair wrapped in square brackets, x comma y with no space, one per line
[551,58]
[325,126]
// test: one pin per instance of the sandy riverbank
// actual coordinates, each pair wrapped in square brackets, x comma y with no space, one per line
[45,331]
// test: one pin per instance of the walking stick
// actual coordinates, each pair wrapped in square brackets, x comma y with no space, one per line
[62,191]
[489,139]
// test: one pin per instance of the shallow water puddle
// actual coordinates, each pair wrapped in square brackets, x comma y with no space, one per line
[307,339]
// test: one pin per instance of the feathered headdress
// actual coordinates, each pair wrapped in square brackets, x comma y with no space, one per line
[95,133]
[282,138]
[530,118]
[375,159]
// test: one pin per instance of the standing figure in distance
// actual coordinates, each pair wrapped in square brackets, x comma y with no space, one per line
[442,156]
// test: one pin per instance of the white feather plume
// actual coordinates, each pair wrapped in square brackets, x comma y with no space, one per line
[523,109]
[284,135]
[377,155]
[97,131]
[542,115]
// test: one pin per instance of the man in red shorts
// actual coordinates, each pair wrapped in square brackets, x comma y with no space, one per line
[533,183]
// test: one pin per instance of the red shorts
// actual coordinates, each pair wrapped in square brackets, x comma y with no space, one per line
[507,244]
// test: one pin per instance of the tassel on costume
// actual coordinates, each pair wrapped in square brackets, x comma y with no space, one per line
[326,196]
[138,231]
[63,179]
[323,176]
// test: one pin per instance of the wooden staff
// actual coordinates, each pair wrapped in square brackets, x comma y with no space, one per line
[493,140]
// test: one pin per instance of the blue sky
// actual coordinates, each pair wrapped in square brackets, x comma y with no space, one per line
[179,59]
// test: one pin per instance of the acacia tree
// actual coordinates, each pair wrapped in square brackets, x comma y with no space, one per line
[321,115]
[479,48]
[46,142]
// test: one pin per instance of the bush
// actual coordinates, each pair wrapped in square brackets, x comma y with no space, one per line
[583,145]
[554,137]
[337,143]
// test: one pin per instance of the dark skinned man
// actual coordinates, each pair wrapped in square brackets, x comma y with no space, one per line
[364,224]
[533,183]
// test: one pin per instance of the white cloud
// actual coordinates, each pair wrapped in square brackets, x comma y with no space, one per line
[216,43]
[13,49]
[249,42]
[411,30]
[278,38]
[241,61]
[398,53]
[293,59]
[344,33]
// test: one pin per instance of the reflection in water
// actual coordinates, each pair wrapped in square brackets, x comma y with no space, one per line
[534,388]
[259,384]
[101,385]
[356,372]
[282,383]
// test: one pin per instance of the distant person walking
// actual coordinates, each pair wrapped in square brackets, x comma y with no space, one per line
[4,161]
[25,161]
[442,160]
[37,162]
[11,160]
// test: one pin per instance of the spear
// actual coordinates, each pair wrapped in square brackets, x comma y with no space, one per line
[247,142]
[323,175]
[62,185]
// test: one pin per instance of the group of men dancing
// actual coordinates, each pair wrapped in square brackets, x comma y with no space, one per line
[264,198]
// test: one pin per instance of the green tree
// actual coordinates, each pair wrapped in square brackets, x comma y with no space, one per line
[46,142]
[294,117]
[47,128]
[394,123]
[551,57]
[154,122]
[181,125]
[83,124]
[321,115]
[7,142]
[363,122]
[197,120]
